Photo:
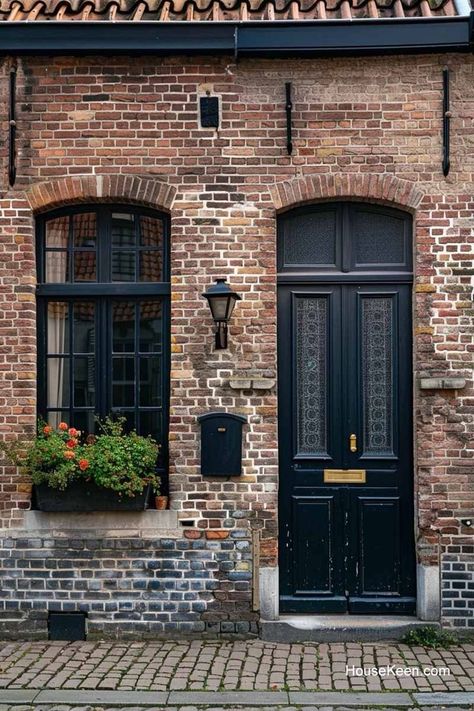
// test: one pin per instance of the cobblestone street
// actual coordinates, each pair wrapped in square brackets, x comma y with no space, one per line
[229,666]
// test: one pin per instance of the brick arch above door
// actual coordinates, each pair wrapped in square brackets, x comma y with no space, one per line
[134,189]
[371,187]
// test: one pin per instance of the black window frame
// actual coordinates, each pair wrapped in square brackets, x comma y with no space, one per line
[103,293]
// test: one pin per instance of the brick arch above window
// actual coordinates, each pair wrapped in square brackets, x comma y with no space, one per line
[370,187]
[134,189]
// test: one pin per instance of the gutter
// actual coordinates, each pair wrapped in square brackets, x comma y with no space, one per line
[264,38]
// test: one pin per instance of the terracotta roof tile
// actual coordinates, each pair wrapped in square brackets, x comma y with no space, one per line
[219,10]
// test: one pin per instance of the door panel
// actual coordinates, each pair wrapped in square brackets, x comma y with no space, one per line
[378,556]
[317,552]
[345,403]
[314,530]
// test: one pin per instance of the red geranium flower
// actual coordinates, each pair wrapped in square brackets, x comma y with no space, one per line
[47,429]
[62,426]
[72,432]
[71,443]
[83,464]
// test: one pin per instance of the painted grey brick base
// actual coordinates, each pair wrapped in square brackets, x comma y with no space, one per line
[127,586]
[457,589]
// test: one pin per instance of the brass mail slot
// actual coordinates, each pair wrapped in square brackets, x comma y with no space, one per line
[344,476]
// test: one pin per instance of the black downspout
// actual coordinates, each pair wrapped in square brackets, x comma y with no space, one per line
[236,44]
[289,108]
[446,122]
[12,128]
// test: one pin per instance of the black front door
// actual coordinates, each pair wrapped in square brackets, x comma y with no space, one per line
[346,513]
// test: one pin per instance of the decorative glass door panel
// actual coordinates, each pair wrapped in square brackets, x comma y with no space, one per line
[376,373]
[311,375]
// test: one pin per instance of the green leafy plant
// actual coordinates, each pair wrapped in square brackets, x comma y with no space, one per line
[429,636]
[123,462]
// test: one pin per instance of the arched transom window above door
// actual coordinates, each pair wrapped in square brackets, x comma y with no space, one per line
[344,237]
[103,317]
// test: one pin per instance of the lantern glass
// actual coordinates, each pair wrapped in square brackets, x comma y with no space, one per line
[220,307]
[221,300]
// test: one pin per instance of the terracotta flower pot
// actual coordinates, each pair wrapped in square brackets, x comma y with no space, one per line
[161,502]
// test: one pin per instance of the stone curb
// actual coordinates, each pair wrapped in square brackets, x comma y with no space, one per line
[237,698]
[234,698]
[445,698]
[350,698]
[18,696]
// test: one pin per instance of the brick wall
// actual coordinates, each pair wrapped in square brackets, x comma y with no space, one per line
[363,127]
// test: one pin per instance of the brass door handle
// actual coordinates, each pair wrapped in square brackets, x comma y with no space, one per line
[353,442]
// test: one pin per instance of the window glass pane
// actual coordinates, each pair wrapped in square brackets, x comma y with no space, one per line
[54,418]
[123,382]
[84,381]
[150,266]
[84,421]
[150,381]
[123,329]
[58,382]
[151,232]
[123,266]
[123,230]
[84,230]
[129,416]
[378,239]
[85,266]
[57,232]
[310,240]
[57,270]
[57,235]
[58,327]
[151,323]
[84,326]
[150,424]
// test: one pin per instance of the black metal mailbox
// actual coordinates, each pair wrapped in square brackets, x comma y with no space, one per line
[221,443]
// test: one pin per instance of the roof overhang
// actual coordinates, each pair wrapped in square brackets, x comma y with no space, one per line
[278,38]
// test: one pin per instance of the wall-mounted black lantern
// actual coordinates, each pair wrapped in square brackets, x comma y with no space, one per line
[221,300]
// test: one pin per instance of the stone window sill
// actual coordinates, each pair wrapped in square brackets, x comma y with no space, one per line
[103,523]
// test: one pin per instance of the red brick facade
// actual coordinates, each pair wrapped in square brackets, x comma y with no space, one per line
[126,129]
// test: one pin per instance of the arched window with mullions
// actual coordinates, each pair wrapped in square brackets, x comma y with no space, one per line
[103,318]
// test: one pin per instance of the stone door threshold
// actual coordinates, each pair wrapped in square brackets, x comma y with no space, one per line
[338,628]
[346,699]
